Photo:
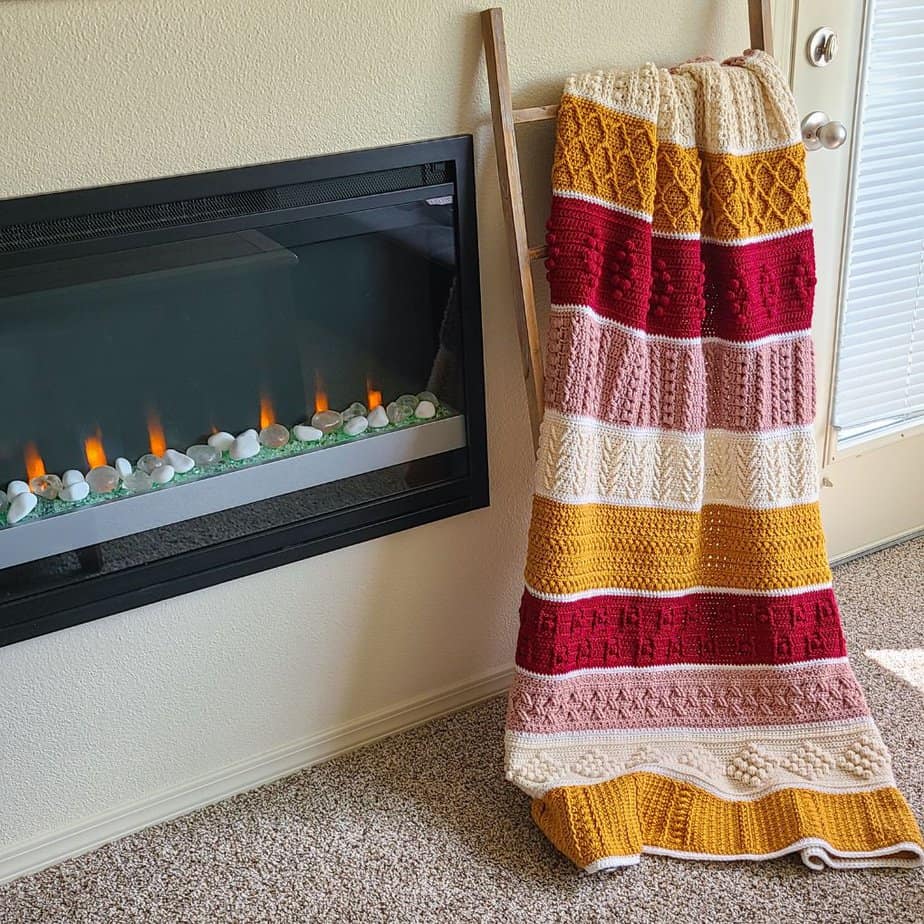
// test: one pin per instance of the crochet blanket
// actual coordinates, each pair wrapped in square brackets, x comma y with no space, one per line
[682,682]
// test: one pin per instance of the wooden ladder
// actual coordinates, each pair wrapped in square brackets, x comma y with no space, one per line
[522,255]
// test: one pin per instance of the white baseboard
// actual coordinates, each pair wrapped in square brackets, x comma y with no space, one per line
[47,849]
[879,545]
[71,841]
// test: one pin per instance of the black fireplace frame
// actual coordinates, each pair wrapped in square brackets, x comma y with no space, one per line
[58,608]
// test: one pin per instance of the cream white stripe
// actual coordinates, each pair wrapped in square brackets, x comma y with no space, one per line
[603,203]
[682,667]
[690,436]
[734,242]
[646,115]
[580,462]
[815,854]
[741,734]
[616,862]
[757,239]
[693,437]
[795,500]
[699,589]
[660,503]
[792,781]
[597,318]
[678,235]
[579,500]
[630,331]
[737,764]
[680,140]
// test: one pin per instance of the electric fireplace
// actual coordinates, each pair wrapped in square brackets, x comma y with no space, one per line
[209,375]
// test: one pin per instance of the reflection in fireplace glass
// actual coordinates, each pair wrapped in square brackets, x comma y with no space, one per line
[175,395]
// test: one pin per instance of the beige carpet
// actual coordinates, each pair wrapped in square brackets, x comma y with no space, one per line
[422,827]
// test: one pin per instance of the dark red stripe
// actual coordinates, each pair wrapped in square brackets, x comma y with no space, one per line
[610,262]
[699,628]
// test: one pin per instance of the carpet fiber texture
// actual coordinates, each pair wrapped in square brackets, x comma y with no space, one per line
[423,827]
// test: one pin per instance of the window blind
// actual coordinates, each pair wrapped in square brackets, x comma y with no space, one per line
[880,373]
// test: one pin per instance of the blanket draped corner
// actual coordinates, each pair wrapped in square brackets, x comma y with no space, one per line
[682,680]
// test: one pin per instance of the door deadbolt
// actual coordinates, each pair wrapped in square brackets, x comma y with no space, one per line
[822,46]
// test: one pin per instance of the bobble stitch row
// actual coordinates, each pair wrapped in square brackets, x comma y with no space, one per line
[662,288]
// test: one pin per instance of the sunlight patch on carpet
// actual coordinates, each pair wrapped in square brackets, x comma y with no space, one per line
[905,663]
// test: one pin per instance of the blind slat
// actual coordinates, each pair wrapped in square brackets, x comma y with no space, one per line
[880,375]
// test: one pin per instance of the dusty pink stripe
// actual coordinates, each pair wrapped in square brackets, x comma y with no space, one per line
[605,373]
[697,698]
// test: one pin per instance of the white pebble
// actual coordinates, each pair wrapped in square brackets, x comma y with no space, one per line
[163,474]
[22,506]
[123,467]
[249,435]
[244,447]
[425,410]
[378,418]
[306,434]
[221,441]
[76,491]
[72,476]
[355,425]
[179,460]
[15,488]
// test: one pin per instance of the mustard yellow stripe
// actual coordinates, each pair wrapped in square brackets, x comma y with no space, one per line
[620,817]
[604,154]
[754,194]
[616,158]
[678,206]
[579,547]
[729,197]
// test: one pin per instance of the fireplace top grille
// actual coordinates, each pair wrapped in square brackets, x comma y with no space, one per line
[22,237]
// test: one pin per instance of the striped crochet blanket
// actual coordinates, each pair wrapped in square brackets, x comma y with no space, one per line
[682,679]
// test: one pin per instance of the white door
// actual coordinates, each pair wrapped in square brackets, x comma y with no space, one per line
[868,213]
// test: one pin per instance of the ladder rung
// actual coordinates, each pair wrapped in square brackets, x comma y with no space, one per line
[536,114]
[504,118]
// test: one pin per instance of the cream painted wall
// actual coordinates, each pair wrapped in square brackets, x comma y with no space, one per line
[115,712]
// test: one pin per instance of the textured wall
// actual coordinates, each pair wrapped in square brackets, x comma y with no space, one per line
[101,91]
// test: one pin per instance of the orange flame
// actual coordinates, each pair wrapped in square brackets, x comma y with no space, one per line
[94,451]
[373,396]
[156,438]
[35,466]
[267,414]
[320,395]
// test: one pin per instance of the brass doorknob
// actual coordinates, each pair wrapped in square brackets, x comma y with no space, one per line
[818,131]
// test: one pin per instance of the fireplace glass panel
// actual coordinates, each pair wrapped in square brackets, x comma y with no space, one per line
[123,350]
[200,335]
